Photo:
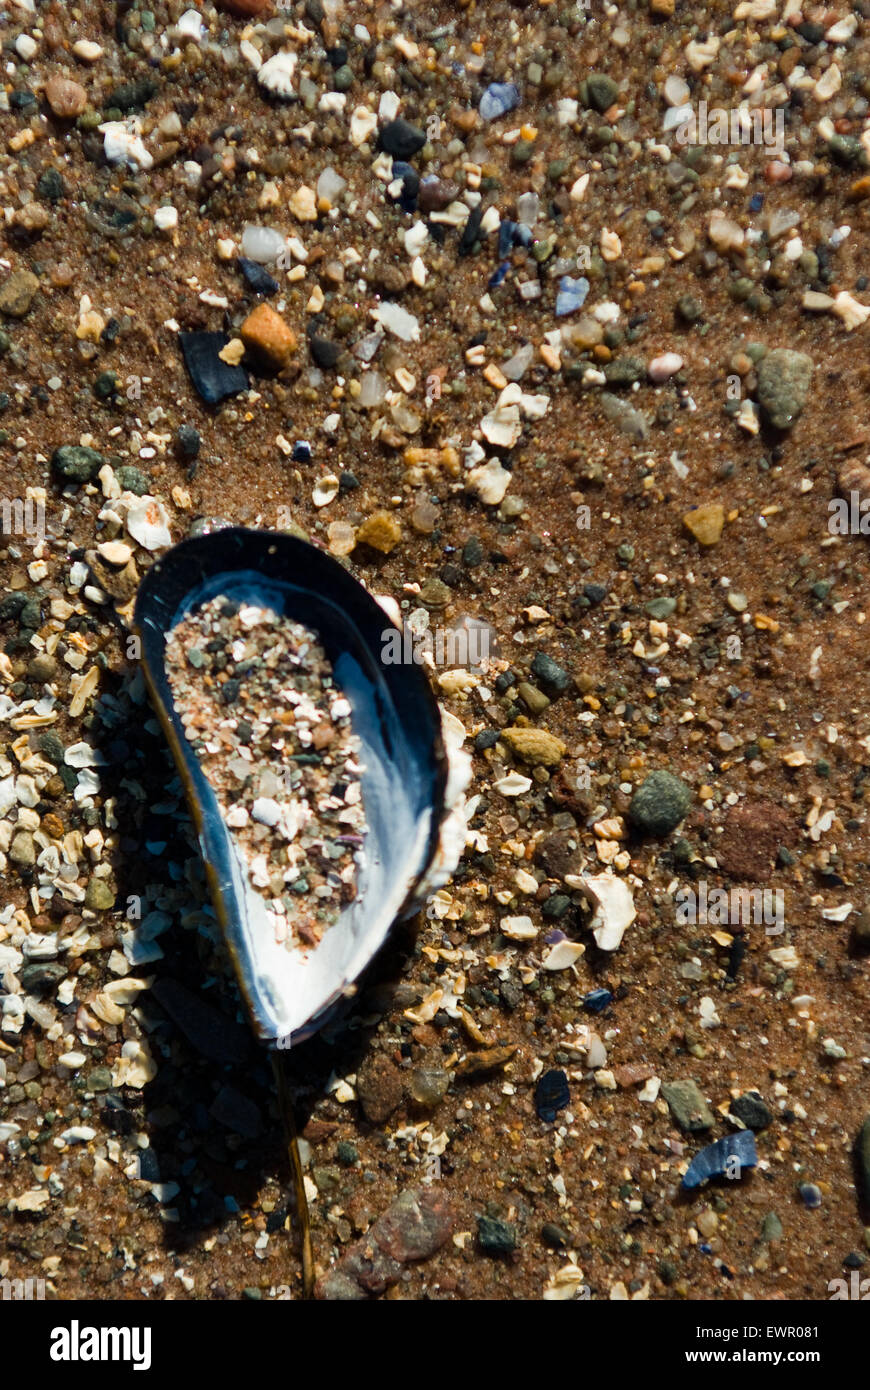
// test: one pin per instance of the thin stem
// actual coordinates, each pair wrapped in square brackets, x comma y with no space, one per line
[285,1104]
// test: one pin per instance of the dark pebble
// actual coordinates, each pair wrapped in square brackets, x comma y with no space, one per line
[257,277]
[324,353]
[401,139]
[188,441]
[76,462]
[496,1237]
[553,677]
[552,1094]
[213,379]
[487,738]
[752,1111]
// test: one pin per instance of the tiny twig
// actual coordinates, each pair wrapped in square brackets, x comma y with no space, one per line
[287,1114]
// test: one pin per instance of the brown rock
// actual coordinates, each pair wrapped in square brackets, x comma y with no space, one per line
[246,8]
[536,747]
[66,98]
[265,333]
[705,522]
[753,832]
[664,8]
[416,1225]
[477,1063]
[16,293]
[381,531]
[559,853]
[379,1087]
[632,1074]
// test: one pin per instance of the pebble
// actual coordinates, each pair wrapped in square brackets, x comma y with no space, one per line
[262,245]
[188,442]
[661,368]
[705,522]
[259,280]
[379,1088]
[99,895]
[427,1086]
[496,1237]
[571,295]
[810,1195]
[77,463]
[17,292]
[381,531]
[602,91]
[401,139]
[752,1111]
[659,804]
[626,417]
[552,1094]
[784,378]
[66,98]
[498,99]
[266,334]
[417,1224]
[213,378]
[552,676]
[686,1103]
[536,747]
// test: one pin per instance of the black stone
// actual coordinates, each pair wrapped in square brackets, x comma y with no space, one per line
[487,738]
[496,1237]
[324,352]
[471,230]
[132,96]
[553,677]
[472,553]
[259,279]
[551,1095]
[51,186]
[752,1111]
[401,139]
[188,441]
[213,379]
[596,593]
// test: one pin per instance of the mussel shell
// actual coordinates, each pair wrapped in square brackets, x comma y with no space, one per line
[289,993]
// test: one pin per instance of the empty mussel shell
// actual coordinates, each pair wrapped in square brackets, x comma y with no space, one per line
[410,792]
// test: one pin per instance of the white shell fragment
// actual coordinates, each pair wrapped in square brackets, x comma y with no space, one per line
[148,523]
[122,144]
[398,321]
[613,903]
[489,482]
[276,75]
[563,955]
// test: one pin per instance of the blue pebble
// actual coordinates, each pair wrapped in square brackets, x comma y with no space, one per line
[756,202]
[727,1157]
[302,451]
[497,278]
[572,295]
[505,237]
[597,1000]
[522,235]
[810,1195]
[498,99]
[551,1095]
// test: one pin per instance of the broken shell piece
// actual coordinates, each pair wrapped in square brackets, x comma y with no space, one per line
[851,311]
[148,523]
[122,144]
[325,489]
[489,482]
[563,955]
[518,928]
[276,75]
[614,907]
